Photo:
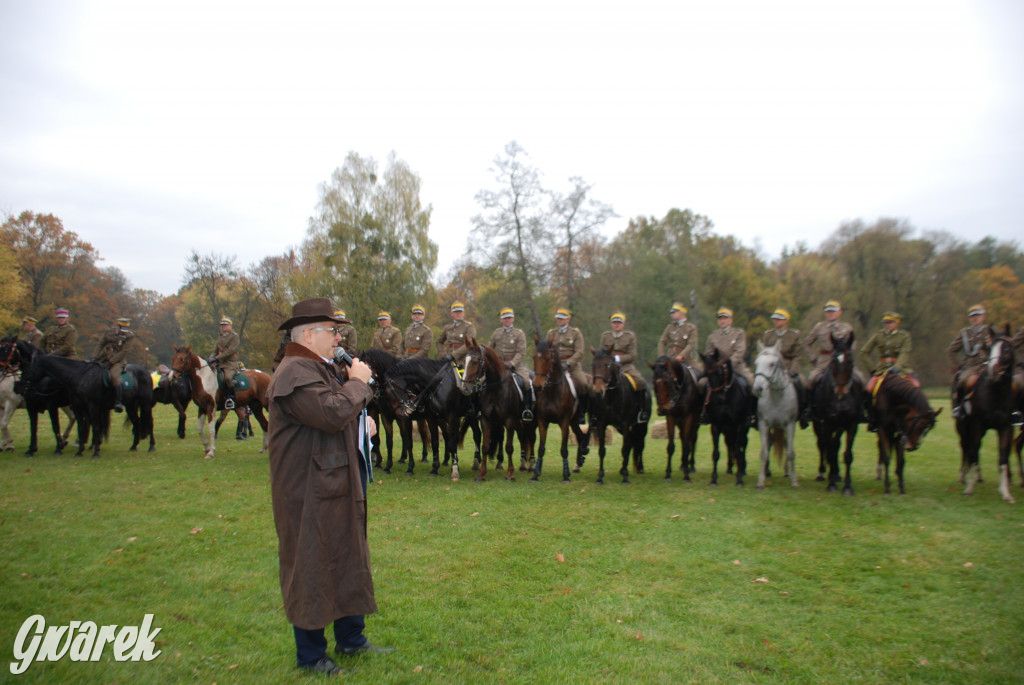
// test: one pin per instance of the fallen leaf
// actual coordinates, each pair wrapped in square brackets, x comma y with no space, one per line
[760,580]
[195,530]
[560,558]
[475,513]
[969,565]
[417,669]
[232,667]
[735,562]
[923,662]
[133,538]
[711,499]
[639,636]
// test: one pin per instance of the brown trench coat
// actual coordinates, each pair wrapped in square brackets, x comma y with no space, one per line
[316,489]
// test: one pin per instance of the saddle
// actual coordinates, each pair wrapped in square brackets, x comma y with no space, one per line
[240,379]
[875,383]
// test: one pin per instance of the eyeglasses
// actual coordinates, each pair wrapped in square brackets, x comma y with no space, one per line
[335,331]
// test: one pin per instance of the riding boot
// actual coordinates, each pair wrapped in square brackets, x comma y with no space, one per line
[118,397]
[869,410]
[581,410]
[529,401]
[644,400]
[229,403]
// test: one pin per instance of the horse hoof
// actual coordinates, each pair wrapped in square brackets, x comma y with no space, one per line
[152,449]
[848,492]
[388,471]
[535,479]
[820,478]
[576,469]
[759,486]
[831,488]
[478,479]
[566,480]
[133,449]
[667,479]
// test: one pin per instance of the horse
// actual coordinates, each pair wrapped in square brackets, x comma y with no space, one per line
[15,356]
[991,403]
[380,363]
[836,407]
[174,390]
[91,397]
[679,401]
[557,402]
[777,411]
[727,404]
[432,388]
[904,417]
[614,402]
[502,403]
[260,383]
[209,397]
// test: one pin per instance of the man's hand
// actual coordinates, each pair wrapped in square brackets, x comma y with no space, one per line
[360,371]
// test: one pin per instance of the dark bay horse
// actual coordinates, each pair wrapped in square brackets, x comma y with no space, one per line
[991,401]
[209,397]
[557,402]
[432,388]
[91,396]
[836,406]
[728,407]
[15,358]
[502,402]
[381,363]
[174,390]
[614,402]
[904,418]
[679,401]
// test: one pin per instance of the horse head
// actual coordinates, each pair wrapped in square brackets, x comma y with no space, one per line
[606,371]
[841,365]
[769,371]
[547,366]
[668,383]
[916,426]
[474,365]
[184,360]
[718,370]
[1000,355]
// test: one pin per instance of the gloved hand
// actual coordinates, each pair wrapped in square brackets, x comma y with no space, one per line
[211,359]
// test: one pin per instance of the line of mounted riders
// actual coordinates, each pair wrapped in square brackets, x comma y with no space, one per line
[498,403]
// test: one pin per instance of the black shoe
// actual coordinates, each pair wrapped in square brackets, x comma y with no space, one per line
[324,665]
[365,648]
[119,407]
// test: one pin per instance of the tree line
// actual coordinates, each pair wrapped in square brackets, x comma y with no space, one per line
[533,248]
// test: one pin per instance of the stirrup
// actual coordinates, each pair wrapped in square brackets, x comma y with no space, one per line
[229,403]
[527,415]
[643,416]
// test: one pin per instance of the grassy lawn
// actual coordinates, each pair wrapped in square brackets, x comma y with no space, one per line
[523,582]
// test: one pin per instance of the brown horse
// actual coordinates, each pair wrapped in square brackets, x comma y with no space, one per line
[904,418]
[210,398]
[502,402]
[557,402]
[679,401]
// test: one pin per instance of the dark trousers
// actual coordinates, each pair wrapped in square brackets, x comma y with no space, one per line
[310,645]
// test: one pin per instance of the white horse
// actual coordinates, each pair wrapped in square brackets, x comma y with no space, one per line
[777,410]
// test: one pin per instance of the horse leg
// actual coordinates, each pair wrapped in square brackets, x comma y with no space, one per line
[762,427]
[851,433]
[900,463]
[510,446]
[182,415]
[884,454]
[671,448]
[489,435]
[565,448]
[791,454]
[599,431]
[55,426]
[33,426]
[823,450]
[7,441]
[132,414]
[714,454]
[1005,441]
[541,443]
[627,446]
[1018,445]
[740,450]
[63,439]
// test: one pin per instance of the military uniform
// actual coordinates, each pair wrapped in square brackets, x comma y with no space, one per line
[388,339]
[33,337]
[60,340]
[112,351]
[788,345]
[680,338]
[731,342]
[969,351]
[893,350]
[417,341]
[453,339]
[349,338]
[509,343]
[818,344]
[225,356]
[624,346]
[569,343]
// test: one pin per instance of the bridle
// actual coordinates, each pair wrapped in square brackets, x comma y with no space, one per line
[778,378]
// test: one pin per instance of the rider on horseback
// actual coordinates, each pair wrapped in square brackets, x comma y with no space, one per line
[731,343]
[968,351]
[818,346]
[622,345]
[568,340]
[787,341]
[111,353]
[892,344]
[509,343]
[225,357]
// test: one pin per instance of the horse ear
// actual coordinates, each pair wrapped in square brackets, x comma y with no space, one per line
[536,338]
[175,347]
[592,350]
[760,347]
[649,365]
[937,412]
[1007,332]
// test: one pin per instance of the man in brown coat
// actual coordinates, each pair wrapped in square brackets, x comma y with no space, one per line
[319,469]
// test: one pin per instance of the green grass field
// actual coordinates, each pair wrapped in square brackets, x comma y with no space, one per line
[523,582]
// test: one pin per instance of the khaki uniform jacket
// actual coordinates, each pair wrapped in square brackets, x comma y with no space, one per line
[113,349]
[731,343]
[418,339]
[60,340]
[316,491]
[571,348]
[818,344]
[34,338]
[787,344]
[972,356]
[680,339]
[349,338]
[227,355]
[893,350]
[453,339]
[510,344]
[625,347]
[388,339]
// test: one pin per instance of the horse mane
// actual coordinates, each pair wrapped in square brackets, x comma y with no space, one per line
[379,359]
[903,391]
[417,368]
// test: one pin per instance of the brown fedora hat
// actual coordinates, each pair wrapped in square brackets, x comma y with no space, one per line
[310,311]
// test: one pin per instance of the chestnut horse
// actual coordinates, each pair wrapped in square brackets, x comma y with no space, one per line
[210,398]
[557,402]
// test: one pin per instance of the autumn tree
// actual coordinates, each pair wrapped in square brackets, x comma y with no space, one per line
[12,290]
[368,244]
[575,219]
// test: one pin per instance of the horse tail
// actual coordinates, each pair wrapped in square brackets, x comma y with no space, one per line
[777,438]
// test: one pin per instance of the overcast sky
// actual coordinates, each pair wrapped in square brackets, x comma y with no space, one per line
[155,128]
